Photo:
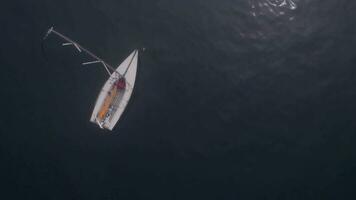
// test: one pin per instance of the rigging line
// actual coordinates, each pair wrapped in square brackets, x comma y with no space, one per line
[84,49]
[106,67]
[127,68]
[51,30]
[44,51]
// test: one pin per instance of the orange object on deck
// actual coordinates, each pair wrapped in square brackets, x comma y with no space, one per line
[115,89]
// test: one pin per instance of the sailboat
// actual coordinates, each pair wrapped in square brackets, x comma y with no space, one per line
[117,90]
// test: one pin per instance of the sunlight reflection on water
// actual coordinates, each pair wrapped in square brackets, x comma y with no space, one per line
[270,18]
[274,7]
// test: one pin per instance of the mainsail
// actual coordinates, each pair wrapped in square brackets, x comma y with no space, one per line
[117,90]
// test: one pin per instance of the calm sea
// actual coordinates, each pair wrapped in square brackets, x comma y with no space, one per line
[234,99]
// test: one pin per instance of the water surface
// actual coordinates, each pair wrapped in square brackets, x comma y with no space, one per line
[244,99]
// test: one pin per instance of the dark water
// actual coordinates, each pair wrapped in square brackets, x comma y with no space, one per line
[243,99]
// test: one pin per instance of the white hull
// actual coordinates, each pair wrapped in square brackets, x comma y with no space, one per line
[121,101]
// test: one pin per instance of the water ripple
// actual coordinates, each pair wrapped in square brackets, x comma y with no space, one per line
[283,3]
[274,7]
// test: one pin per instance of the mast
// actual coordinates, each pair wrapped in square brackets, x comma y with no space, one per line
[80,49]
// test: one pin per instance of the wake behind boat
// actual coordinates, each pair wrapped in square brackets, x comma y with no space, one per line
[116,92]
